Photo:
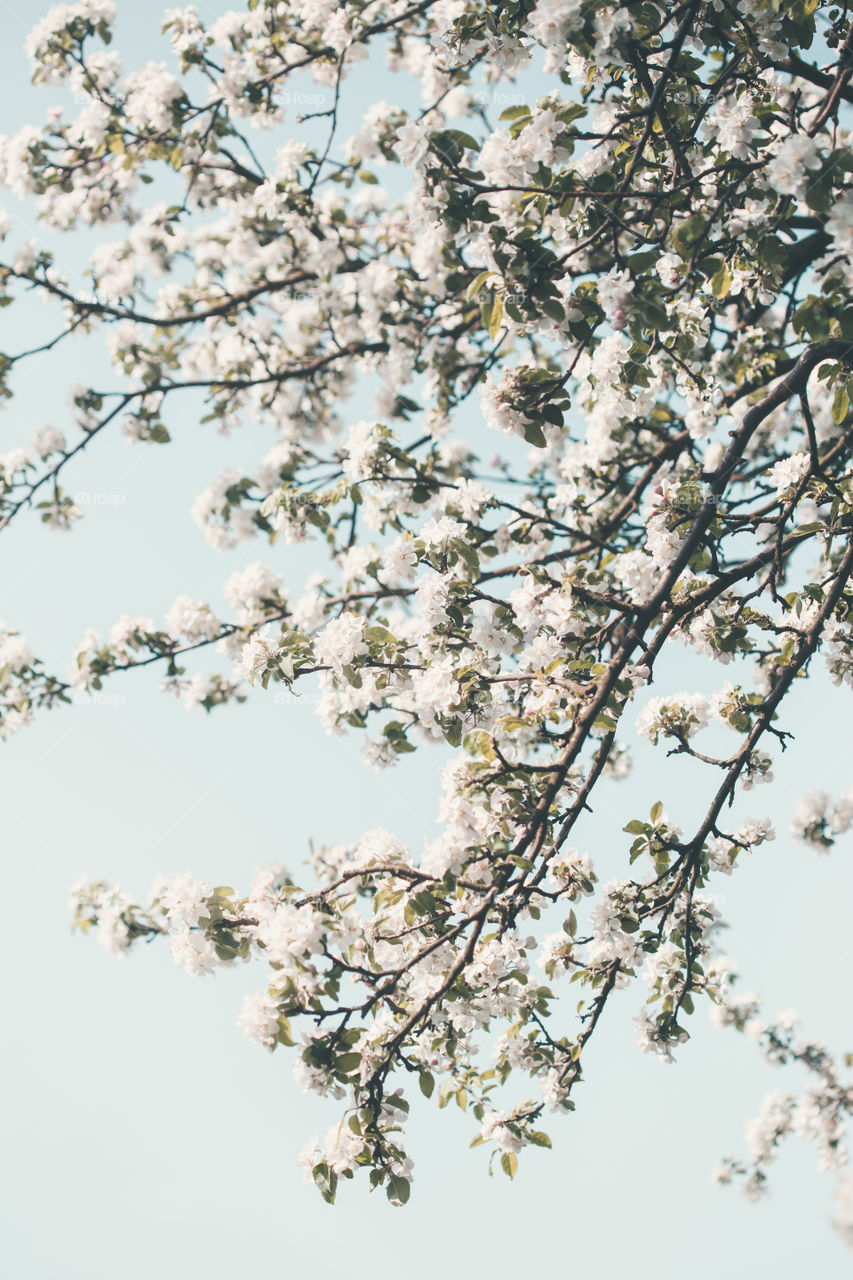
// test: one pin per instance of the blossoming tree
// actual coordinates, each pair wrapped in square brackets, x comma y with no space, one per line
[639,278]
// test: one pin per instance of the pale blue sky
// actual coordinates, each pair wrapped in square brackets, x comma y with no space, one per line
[143,1134]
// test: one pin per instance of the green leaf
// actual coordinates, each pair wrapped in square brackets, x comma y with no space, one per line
[509,1163]
[476,284]
[773,251]
[397,1190]
[391,1100]
[427,1083]
[640,262]
[478,743]
[327,1182]
[534,435]
[464,139]
[539,1139]
[687,234]
[819,193]
[656,811]
[721,281]
[495,316]
[379,635]
[840,404]
[553,414]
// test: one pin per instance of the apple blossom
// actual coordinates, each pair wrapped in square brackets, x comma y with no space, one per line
[640,278]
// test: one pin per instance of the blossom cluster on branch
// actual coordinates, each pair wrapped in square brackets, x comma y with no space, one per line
[640,280]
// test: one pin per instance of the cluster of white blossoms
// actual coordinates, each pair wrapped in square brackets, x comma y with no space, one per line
[111,905]
[614,294]
[679,716]
[550,24]
[191,620]
[254,592]
[667,520]
[820,1113]
[341,641]
[788,472]
[637,288]
[733,125]
[839,655]
[151,96]
[819,819]
[47,44]
[792,164]
[497,404]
